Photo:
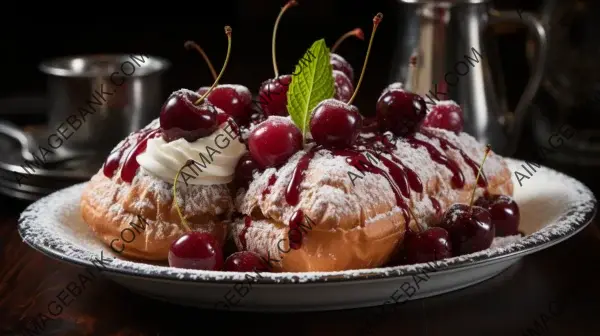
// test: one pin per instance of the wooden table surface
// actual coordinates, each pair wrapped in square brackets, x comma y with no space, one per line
[553,292]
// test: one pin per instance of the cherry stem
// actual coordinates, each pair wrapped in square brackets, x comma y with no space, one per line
[416,221]
[228,33]
[354,32]
[194,45]
[183,221]
[376,20]
[488,148]
[285,8]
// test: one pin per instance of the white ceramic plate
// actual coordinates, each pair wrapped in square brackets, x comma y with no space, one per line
[553,208]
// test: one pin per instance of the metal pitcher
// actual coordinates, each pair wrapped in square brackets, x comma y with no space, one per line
[454,60]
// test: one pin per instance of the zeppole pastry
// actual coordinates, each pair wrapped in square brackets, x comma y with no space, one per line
[131,204]
[329,190]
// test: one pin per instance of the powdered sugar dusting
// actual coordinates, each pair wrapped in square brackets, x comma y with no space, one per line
[54,224]
[337,103]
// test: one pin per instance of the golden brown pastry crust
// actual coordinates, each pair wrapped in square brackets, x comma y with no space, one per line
[110,206]
[368,231]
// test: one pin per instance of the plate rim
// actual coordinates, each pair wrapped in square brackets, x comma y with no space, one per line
[528,245]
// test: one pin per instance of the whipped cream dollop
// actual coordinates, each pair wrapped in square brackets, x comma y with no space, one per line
[215,157]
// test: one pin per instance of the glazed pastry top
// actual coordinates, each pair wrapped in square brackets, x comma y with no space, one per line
[339,194]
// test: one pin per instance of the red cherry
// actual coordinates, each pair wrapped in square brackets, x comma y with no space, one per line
[245,261]
[196,250]
[273,95]
[235,100]
[400,112]
[445,115]
[343,86]
[274,141]
[429,245]
[505,213]
[335,124]
[340,64]
[470,228]
[180,118]
[244,170]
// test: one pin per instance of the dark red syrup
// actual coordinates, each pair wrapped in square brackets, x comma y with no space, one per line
[270,183]
[292,194]
[138,141]
[396,173]
[131,165]
[222,117]
[379,144]
[458,179]
[112,162]
[413,179]
[242,235]
[360,162]
[295,235]
[482,181]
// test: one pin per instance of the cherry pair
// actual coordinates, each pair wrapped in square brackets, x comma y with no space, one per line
[403,112]
[197,250]
[192,115]
[465,228]
[334,124]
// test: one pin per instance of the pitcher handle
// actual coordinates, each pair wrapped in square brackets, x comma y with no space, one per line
[536,27]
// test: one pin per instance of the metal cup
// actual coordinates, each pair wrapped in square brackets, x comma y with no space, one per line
[97,100]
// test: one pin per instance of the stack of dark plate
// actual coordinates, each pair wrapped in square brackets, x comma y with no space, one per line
[24,172]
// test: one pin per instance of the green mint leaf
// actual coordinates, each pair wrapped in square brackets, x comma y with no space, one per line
[312,82]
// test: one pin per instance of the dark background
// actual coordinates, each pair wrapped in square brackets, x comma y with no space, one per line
[28,41]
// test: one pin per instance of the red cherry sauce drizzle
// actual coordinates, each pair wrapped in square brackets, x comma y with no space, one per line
[112,162]
[272,180]
[396,173]
[458,179]
[131,165]
[379,144]
[292,194]
[295,233]
[413,179]
[360,162]
[482,181]
[242,235]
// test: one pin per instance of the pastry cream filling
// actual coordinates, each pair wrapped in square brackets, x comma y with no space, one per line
[215,158]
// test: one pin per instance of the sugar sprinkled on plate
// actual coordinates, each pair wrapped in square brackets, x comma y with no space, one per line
[54,224]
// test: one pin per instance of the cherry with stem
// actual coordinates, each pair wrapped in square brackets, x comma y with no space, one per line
[193,45]
[427,245]
[336,124]
[234,100]
[356,32]
[398,111]
[194,249]
[228,32]
[274,37]
[186,115]
[470,226]
[273,92]
[340,64]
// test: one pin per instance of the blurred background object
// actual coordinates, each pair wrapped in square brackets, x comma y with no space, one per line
[568,93]
[457,58]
